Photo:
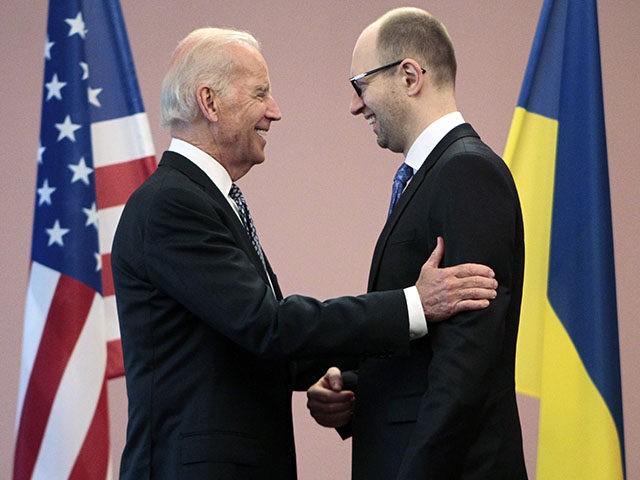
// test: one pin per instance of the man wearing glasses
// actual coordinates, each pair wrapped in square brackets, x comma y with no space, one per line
[448,409]
[207,336]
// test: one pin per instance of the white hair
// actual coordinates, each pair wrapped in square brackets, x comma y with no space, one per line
[198,59]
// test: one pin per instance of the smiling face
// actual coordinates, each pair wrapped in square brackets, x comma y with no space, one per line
[381,102]
[244,113]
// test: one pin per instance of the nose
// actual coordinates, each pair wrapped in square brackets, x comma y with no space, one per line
[273,110]
[356,105]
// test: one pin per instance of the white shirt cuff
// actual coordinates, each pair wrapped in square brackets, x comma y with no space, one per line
[417,321]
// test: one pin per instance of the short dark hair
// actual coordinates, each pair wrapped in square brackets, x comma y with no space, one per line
[415,33]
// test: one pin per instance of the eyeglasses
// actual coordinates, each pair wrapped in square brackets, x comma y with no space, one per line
[354,80]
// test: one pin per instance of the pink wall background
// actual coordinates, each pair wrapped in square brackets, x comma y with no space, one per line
[320,199]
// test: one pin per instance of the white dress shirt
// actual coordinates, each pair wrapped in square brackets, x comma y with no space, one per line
[209,165]
[430,137]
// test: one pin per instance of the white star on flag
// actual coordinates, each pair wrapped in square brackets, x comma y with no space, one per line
[56,233]
[77,26]
[54,88]
[80,172]
[67,129]
[41,150]
[45,192]
[47,48]
[92,94]
[92,216]
[85,70]
[98,259]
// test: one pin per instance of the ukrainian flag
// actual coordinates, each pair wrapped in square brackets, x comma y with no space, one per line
[568,353]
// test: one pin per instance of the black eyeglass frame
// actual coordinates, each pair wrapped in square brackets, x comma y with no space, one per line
[355,79]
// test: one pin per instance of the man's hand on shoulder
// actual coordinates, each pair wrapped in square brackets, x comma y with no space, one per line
[445,292]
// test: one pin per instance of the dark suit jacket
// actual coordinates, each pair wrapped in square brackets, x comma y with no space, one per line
[207,343]
[448,411]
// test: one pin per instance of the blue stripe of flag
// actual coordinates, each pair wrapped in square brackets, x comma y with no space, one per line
[112,62]
[540,91]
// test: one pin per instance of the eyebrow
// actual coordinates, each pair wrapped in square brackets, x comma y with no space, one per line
[264,88]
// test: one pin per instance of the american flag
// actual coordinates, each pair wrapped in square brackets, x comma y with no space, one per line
[95,149]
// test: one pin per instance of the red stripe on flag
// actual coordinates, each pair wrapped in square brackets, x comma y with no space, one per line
[115,183]
[115,362]
[93,459]
[66,318]
[107,276]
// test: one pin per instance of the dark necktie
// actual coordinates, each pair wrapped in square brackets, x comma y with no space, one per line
[245,216]
[404,173]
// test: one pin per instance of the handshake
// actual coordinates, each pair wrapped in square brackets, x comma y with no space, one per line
[444,292]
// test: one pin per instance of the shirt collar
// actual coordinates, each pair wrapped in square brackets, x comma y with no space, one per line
[209,165]
[430,137]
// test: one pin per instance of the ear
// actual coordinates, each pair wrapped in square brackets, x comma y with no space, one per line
[413,76]
[207,100]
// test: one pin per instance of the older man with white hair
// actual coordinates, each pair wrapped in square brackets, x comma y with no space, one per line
[207,337]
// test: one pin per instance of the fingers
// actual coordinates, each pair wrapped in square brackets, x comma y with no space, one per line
[328,390]
[447,291]
[328,406]
[471,270]
[336,416]
[466,305]
[443,294]
[333,379]
[436,256]
[471,283]
[328,402]
[459,271]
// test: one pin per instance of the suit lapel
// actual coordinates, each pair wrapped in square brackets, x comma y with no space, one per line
[194,173]
[461,131]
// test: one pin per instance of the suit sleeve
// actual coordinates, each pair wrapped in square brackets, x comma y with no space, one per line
[476,211]
[191,254]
